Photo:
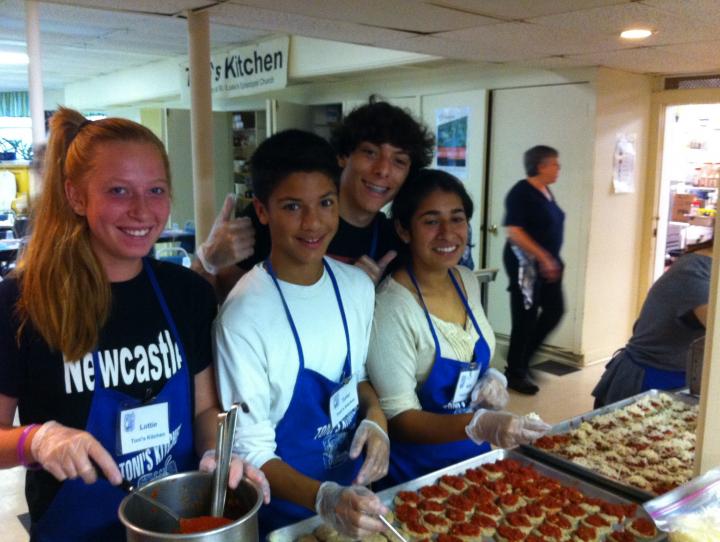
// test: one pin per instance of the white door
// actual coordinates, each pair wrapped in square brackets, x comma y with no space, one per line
[285,115]
[562,117]
[474,104]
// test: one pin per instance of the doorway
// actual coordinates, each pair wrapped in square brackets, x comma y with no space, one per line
[689,180]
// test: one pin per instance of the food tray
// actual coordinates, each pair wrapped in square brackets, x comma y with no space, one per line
[292,532]
[573,423]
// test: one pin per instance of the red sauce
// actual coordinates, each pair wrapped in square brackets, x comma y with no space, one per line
[430,506]
[434,492]
[559,520]
[483,521]
[458,501]
[517,519]
[476,476]
[442,537]
[435,519]
[644,526]
[511,533]
[454,482]
[499,487]
[453,514]
[548,529]
[415,527]
[465,529]
[409,497]
[201,524]
[584,532]
[597,521]
[406,513]
[511,499]
[574,510]
[479,494]
[533,510]
[490,509]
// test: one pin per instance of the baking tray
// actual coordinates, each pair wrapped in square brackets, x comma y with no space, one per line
[291,532]
[583,472]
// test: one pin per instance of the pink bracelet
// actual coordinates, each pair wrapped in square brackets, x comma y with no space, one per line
[21,447]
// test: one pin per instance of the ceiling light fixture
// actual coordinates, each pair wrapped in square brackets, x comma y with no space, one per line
[13,58]
[636,34]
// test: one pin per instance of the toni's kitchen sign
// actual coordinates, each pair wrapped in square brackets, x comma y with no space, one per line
[245,70]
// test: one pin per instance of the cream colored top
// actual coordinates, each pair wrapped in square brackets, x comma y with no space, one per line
[402,350]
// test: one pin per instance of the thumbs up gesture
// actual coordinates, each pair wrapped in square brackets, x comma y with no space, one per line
[231,240]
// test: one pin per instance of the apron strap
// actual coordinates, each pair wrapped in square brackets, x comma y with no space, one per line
[465,302]
[427,313]
[347,367]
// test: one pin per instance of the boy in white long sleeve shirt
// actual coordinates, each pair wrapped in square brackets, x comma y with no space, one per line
[291,343]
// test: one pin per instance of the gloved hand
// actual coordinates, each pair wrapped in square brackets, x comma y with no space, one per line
[238,468]
[377,452]
[66,453]
[490,391]
[504,429]
[350,510]
[231,240]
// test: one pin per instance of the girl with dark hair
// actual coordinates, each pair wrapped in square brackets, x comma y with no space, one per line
[431,343]
[105,353]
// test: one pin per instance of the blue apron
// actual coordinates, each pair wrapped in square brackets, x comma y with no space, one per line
[408,460]
[661,379]
[304,437]
[81,512]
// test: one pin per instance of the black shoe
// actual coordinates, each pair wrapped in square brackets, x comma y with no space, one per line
[522,385]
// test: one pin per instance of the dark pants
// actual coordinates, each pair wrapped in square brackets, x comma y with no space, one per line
[530,326]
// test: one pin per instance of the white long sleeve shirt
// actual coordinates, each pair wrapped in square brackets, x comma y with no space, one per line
[402,350]
[256,356]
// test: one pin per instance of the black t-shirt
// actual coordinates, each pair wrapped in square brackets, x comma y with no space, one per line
[542,219]
[49,389]
[350,242]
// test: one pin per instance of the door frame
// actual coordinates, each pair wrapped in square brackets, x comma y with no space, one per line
[659,103]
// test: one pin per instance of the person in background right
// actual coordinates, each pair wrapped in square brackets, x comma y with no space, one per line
[672,317]
[534,224]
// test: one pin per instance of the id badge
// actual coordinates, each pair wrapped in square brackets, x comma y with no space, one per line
[144,427]
[466,382]
[344,401]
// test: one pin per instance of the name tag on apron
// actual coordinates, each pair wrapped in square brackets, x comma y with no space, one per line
[143,427]
[344,402]
[466,382]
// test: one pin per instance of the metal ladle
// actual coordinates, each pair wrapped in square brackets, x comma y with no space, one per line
[223,452]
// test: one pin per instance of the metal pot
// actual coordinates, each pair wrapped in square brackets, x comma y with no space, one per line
[188,494]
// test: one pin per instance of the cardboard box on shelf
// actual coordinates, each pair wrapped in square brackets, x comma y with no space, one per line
[681,207]
[702,220]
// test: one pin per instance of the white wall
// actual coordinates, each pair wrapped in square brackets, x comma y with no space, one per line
[613,263]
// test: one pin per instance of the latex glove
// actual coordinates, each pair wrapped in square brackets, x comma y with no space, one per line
[490,391]
[375,269]
[66,453]
[238,468]
[351,511]
[504,429]
[370,436]
[231,240]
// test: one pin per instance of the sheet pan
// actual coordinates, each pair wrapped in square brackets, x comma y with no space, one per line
[292,532]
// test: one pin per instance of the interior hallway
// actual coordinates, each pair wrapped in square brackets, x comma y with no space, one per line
[560,397]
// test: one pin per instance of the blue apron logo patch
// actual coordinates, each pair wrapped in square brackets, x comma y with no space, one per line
[129,421]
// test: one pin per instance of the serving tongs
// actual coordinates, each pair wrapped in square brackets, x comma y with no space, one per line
[223,452]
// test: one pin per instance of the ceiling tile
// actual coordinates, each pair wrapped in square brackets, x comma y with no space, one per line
[523,9]
[166,7]
[651,60]
[707,11]
[407,15]
[273,21]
